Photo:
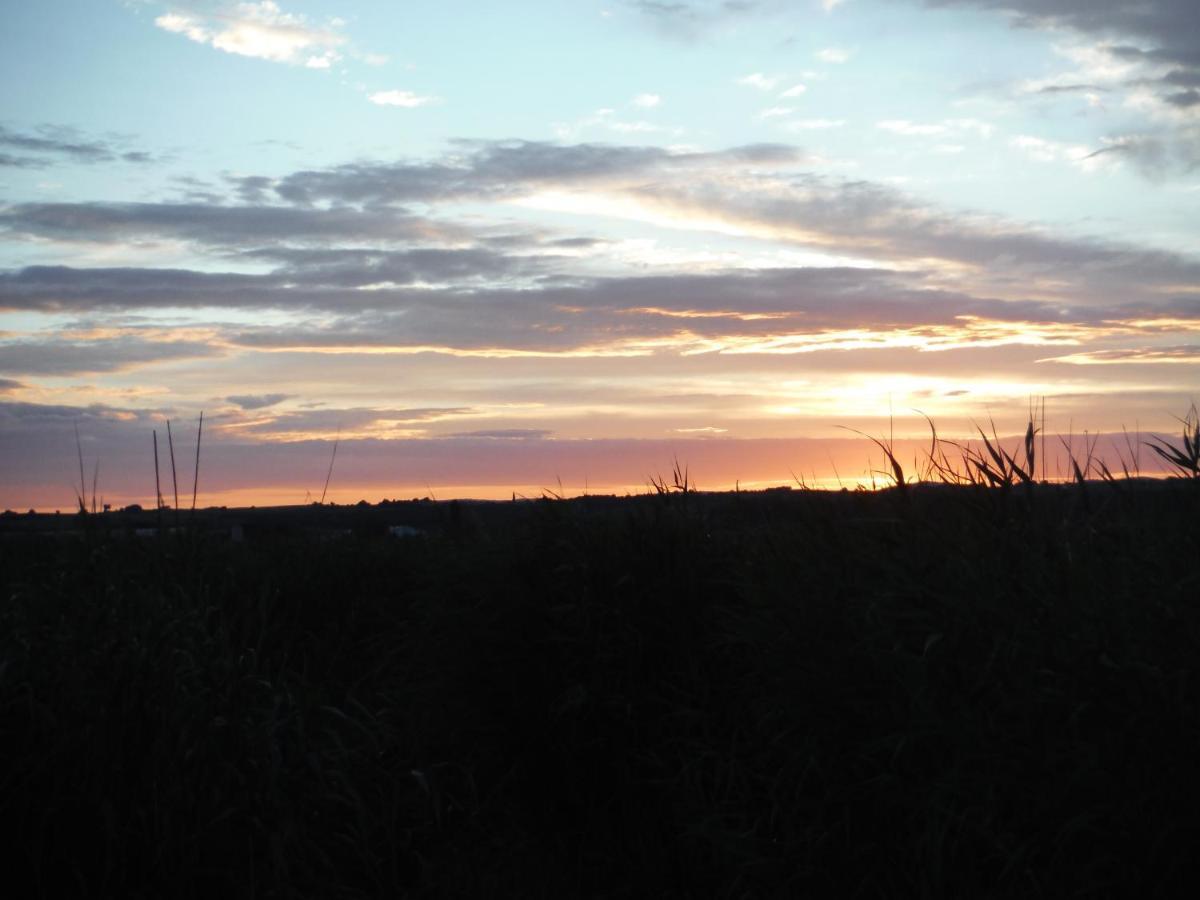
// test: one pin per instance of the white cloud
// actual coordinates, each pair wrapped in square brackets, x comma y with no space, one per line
[794,91]
[605,118]
[647,100]
[261,31]
[776,112]
[830,5]
[324,61]
[814,124]
[833,55]
[634,127]
[944,128]
[407,99]
[758,80]
[981,128]
[905,127]
[185,25]
[1083,158]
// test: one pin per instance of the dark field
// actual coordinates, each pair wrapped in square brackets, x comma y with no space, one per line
[929,692]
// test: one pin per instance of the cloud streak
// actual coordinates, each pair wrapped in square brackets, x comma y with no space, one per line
[50,145]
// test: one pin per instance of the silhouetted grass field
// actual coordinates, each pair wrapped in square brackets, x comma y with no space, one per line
[929,691]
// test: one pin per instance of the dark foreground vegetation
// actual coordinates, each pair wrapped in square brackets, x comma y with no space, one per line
[927,692]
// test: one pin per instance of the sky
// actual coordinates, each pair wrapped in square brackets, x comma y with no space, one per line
[494,248]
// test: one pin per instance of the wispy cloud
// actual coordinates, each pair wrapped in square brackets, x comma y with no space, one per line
[759,80]
[259,30]
[943,128]
[647,101]
[835,55]
[1180,355]
[903,126]
[1140,57]
[54,144]
[406,99]
[813,124]
[1083,158]
[257,401]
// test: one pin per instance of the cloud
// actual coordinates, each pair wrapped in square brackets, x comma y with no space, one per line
[406,99]
[66,355]
[505,434]
[647,101]
[814,124]
[794,91]
[758,80]
[903,126]
[257,401]
[690,19]
[835,55]
[54,144]
[1145,51]
[258,30]
[215,224]
[8,385]
[349,422]
[1169,24]
[1177,355]
[754,189]
[498,169]
[774,311]
[1083,158]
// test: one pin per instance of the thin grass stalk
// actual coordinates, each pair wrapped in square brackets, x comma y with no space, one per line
[196,475]
[158,500]
[329,474]
[82,484]
[174,477]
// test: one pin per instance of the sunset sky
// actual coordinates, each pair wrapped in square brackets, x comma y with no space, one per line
[502,246]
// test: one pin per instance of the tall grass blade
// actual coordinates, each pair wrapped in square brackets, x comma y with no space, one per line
[158,500]
[82,498]
[196,475]
[329,474]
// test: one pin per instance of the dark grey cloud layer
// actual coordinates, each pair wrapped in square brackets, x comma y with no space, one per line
[1173,26]
[498,169]
[836,295]
[55,356]
[362,270]
[50,144]
[216,225]
[756,187]
[598,315]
